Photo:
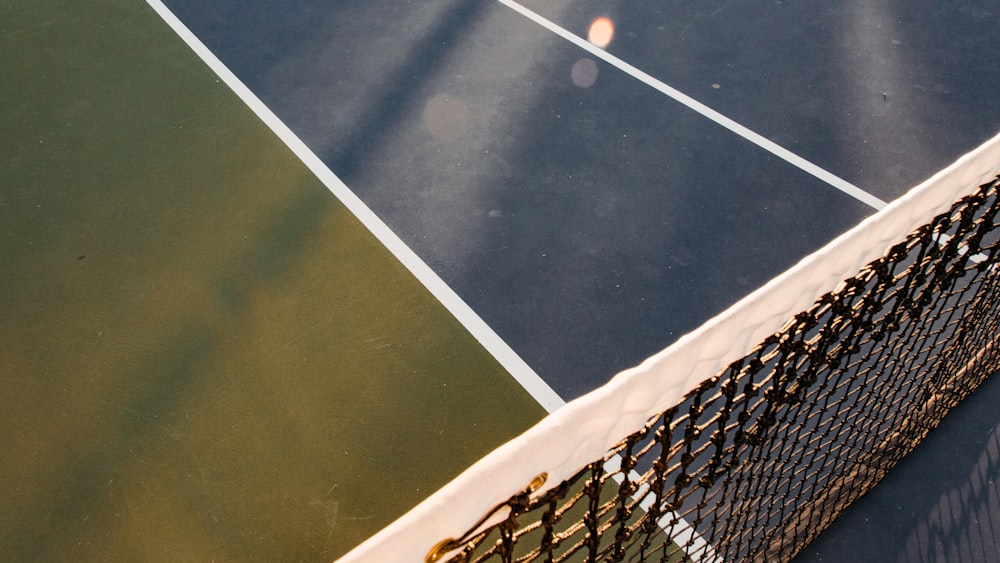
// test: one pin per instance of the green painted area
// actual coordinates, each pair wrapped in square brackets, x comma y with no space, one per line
[204,355]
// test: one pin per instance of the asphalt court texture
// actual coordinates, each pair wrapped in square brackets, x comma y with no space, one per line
[210,357]
[559,213]
[205,355]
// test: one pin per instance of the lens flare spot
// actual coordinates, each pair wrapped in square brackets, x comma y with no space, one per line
[601,32]
[446,117]
[584,73]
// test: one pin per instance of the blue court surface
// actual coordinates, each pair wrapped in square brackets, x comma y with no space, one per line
[561,212]
[346,248]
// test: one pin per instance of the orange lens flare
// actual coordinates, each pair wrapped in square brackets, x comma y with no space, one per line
[601,32]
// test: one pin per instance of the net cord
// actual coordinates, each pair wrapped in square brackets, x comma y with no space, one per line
[586,428]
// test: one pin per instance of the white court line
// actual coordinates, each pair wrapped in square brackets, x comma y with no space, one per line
[942,239]
[486,336]
[755,138]
[491,341]
[702,551]
[684,534]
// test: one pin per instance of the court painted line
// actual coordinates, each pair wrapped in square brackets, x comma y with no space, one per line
[681,532]
[755,138]
[472,322]
[701,549]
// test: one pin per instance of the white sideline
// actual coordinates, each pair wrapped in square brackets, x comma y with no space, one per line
[491,341]
[700,108]
[601,418]
[586,428]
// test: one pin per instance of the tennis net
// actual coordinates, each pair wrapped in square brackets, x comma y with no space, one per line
[747,437]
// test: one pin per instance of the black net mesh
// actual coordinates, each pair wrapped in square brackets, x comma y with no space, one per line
[757,460]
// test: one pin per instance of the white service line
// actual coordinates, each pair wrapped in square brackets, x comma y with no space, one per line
[486,336]
[755,138]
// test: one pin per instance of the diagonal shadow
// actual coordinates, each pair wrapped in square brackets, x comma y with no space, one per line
[940,503]
[171,372]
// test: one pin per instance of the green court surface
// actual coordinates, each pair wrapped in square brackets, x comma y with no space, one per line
[204,355]
[271,273]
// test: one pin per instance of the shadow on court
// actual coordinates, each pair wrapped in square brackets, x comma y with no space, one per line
[941,503]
